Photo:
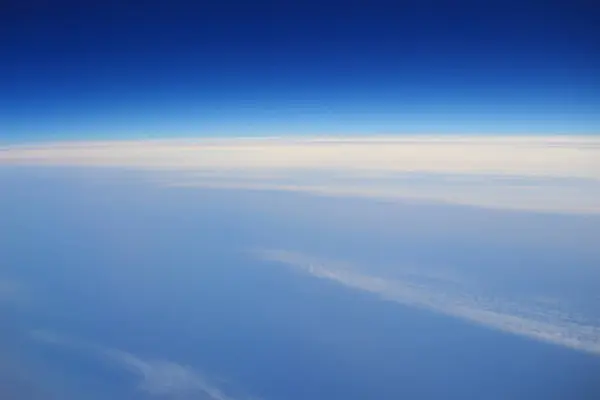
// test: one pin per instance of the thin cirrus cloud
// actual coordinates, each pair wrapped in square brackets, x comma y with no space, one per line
[546,321]
[552,173]
[166,378]
[156,377]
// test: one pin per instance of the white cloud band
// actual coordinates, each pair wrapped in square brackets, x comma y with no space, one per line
[534,173]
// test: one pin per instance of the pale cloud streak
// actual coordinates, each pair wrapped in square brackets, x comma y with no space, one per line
[156,377]
[560,174]
[166,378]
[544,322]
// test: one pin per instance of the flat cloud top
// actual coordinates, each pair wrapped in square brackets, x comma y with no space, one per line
[550,173]
[537,156]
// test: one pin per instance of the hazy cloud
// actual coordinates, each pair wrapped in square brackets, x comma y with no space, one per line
[534,173]
[544,321]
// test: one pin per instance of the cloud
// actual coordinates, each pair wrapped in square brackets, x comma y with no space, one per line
[156,377]
[554,173]
[544,321]
[530,156]
[166,378]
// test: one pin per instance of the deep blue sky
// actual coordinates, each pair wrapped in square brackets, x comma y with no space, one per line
[170,68]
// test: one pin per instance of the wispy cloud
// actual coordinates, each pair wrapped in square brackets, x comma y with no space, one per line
[156,377]
[166,378]
[542,321]
[534,173]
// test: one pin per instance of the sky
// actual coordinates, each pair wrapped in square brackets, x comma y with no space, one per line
[116,287]
[115,69]
[240,200]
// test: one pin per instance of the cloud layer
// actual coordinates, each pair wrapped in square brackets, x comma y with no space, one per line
[546,322]
[534,173]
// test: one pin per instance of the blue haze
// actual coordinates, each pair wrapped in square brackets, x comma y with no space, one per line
[113,287]
[107,260]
